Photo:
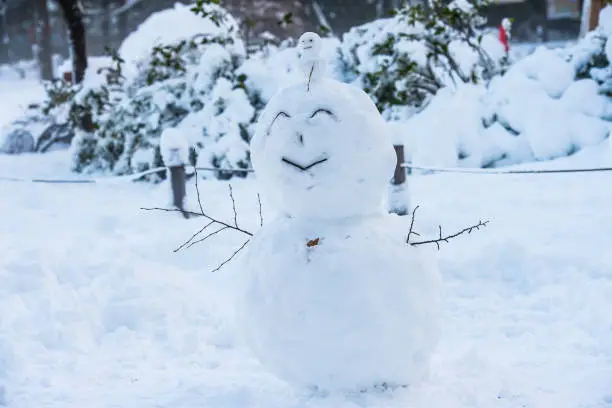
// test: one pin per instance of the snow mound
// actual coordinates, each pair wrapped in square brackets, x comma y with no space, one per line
[605,20]
[544,107]
[184,25]
[549,69]
[5,357]
[583,96]
[174,147]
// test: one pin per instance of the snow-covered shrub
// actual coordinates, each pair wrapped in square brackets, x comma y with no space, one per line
[191,83]
[533,112]
[29,125]
[546,105]
[591,56]
[401,62]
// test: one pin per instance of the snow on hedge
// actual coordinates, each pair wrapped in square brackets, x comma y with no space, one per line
[549,104]
[401,62]
[452,93]
[171,26]
[185,79]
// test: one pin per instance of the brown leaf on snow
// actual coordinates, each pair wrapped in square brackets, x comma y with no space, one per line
[312,242]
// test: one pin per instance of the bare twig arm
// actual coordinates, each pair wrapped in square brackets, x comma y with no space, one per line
[231,257]
[411,232]
[231,193]
[260,211]
[441,238]
[193,236]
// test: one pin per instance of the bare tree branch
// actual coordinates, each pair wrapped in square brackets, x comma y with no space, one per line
[233,206]
[207,236]
[440,238]
[231,257]
[260,211]
[198,190]
[193,236]
[224,226]
[201,214]
[410,232]
[171,210]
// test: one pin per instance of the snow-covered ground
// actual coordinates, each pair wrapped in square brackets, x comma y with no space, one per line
[96,310]
[16,96]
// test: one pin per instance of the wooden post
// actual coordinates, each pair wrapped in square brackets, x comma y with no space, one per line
[67,77]
[596,6]
[589,18]
[398,197]
[400,172]
[174,149]
[177,181]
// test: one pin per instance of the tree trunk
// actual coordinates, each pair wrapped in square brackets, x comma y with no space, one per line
[122,24]
[5,55]
[73,15]
[596,6]
[106,23]
[43,34]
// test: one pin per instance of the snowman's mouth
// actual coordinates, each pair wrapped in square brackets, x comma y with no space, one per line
[303,167]
[308,47]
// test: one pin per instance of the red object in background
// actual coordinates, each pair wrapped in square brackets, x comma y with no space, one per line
[503,37]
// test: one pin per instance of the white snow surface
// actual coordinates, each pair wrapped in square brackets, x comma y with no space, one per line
[96,310]
[174,147]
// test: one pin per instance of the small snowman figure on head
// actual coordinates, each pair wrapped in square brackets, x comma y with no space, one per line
[311,63]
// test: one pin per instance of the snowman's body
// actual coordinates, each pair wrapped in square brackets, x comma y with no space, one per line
[357,310]
[334,298]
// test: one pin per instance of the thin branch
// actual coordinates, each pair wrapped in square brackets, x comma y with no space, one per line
[206,237]
[198,190]
[310,77]
[231,257]
[193,236]
[199,215]
[215,220]
[410,232]
[260,212]
[233,206]
[171,210]
[440,238]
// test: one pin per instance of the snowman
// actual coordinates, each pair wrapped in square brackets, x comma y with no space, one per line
[333,297]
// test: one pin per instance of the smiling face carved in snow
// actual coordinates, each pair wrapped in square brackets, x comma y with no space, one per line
[323,153]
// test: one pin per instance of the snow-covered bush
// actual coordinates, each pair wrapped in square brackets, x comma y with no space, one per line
[591,56]
[401,62]
[196,78]
[190,82]
[548,104]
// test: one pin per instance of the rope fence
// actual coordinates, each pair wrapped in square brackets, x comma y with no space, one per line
[406,165]
[116,179]
[495,171]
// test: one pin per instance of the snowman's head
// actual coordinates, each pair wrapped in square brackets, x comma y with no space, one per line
[310,44]
[324,153]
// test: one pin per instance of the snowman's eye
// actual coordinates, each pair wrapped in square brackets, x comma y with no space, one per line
[323,110]
[280,114]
